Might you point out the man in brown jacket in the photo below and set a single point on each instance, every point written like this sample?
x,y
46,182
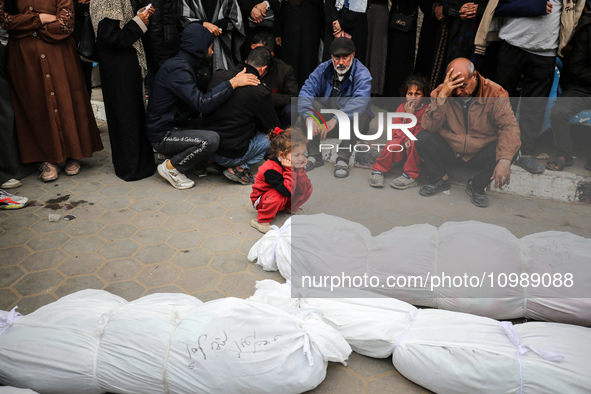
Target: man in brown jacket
x,y
470,122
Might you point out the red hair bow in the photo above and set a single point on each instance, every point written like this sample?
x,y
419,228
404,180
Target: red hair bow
x,y
277,130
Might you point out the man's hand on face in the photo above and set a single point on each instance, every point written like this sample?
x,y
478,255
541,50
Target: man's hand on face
x,y
244,79
452,81
502,173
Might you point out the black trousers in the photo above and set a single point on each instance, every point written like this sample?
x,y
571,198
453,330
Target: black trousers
x,y
570,102
438,157
10,162
188,147
538,74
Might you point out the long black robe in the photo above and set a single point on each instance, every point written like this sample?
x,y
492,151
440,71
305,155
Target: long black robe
x,y
121,81
300,39
428,40
10,162
457,37
401,50
352,23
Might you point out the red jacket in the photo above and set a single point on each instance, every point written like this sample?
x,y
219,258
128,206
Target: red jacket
x,y
290,182
415,130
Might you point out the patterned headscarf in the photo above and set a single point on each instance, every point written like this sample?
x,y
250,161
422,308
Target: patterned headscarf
x,y
117,10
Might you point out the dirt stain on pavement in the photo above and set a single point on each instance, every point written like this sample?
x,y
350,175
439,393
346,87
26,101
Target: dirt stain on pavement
x,y
59,202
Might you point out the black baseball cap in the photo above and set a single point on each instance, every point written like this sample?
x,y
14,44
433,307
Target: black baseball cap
x,y
342,46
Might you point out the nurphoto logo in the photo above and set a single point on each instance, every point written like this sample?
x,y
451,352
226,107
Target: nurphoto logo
x,y
344,124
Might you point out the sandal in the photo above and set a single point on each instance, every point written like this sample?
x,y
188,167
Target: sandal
x,y
249,175
558,163
72,166
341,167
49,172
237,175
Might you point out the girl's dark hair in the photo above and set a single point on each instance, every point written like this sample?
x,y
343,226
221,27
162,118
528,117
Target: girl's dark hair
x,y
419,82
285,140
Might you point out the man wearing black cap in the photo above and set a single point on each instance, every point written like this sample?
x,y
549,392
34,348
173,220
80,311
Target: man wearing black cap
x,y
332,86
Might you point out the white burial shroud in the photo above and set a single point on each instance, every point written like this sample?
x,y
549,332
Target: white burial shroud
x,y
453,352
327,245
95,342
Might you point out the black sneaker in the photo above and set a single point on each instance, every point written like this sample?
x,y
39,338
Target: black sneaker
x,y
480,200
432,189
313,162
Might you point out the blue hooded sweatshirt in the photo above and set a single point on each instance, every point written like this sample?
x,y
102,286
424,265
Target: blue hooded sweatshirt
x,y
174,90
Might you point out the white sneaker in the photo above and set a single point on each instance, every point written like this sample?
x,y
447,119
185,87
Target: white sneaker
x,y
11,184
176,179
10,201
404,181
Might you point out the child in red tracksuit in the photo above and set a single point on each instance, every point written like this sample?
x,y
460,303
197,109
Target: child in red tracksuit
x,y
416,91
281,183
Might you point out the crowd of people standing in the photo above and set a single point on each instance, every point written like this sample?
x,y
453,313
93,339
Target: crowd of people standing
x,y
512,43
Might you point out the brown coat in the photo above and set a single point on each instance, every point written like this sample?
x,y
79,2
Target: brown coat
x,y
54,119
490,118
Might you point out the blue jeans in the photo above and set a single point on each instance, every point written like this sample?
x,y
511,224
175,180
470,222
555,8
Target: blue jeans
x,y
255,153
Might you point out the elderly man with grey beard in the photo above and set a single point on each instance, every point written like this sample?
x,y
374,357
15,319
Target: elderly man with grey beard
x,y
342,83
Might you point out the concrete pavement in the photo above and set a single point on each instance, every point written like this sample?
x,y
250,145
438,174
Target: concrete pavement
x,y
143,237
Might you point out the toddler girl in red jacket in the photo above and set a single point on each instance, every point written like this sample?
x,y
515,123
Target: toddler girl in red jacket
x,y
281,183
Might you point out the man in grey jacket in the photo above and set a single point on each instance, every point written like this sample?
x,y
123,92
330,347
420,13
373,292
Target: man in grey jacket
x,y
532,38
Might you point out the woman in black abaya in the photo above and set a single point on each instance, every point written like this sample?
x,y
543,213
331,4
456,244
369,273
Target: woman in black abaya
x,y
401,49
123,68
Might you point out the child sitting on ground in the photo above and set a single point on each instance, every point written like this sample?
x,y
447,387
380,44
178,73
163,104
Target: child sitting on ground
x,y
281,183
416,91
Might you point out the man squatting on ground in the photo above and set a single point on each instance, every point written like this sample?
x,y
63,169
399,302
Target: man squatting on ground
x,y
469,122
174,92
343,83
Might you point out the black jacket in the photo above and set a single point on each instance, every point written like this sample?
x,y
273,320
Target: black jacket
x,y
281,80
248,111
577,70
162,40
175,90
